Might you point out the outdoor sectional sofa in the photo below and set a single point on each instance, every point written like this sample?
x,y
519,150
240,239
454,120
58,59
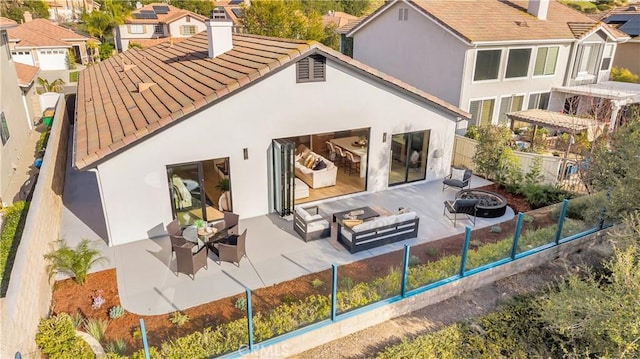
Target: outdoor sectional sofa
x,y
309,223
379,231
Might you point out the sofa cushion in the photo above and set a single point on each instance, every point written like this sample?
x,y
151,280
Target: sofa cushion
x,y
317,226
303,213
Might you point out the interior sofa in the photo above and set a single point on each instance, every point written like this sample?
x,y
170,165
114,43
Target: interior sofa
x,y
316,178
379,231
309,224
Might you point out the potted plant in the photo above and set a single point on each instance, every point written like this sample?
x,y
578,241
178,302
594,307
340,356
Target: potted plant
x,y
224,187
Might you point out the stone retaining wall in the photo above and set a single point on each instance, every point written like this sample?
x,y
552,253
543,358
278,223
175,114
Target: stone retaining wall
x,y
29,294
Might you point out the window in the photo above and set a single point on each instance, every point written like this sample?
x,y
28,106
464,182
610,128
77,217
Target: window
x,y
187,30
4,41
539,100
403,14
481,112
188,18
487,65
546,60
509,104
158,29
311,69
136,29
588,55
518,63
4,129
606,58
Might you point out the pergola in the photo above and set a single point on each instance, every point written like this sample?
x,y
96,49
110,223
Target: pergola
x,y
561,121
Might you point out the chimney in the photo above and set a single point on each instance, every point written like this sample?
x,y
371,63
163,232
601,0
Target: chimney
x,y
27,16
219,33
538,8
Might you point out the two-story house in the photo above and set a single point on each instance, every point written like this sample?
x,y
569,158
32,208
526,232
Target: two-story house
x,y
627,20
156,23
488,57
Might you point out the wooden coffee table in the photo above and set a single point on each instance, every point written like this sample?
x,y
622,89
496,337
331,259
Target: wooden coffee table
x,y
367,213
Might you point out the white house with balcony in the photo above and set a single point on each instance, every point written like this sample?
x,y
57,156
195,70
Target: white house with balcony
x,y
156,23
487,57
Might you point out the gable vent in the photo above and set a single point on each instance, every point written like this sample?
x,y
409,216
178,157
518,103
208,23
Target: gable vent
x,y
311,69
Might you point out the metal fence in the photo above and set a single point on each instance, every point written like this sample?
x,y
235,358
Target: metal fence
x,y
409,283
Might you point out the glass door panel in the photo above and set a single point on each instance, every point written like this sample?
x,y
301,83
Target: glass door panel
x,y
418,149
408,157
399,160
186,194
283,176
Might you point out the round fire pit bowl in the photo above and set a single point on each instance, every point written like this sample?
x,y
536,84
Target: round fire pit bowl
x,y
490,204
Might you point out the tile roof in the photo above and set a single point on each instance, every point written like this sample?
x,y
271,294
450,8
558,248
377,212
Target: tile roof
x,y
152,42
338,18
4,22
43,33
26,73
173,14
504,20
112,113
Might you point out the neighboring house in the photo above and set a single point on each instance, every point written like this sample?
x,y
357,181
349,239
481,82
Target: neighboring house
x,y
7,23
487,57
233,11
627,20
42,43
27,76
156,23
337,18
70,10
15,120
167,127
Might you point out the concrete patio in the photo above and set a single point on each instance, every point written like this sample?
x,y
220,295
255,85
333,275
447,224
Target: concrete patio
x,y
148,284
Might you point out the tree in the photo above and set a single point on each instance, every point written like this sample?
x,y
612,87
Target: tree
x,y
101,22
106,50
75,262
39,9
198,6
55,86
614,166
14,9
282,19
623,75
489,158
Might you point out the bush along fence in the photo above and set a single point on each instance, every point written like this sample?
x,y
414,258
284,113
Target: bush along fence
x,y
347,299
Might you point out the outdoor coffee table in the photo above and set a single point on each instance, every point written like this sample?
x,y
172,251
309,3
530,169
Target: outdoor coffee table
x,y
362,213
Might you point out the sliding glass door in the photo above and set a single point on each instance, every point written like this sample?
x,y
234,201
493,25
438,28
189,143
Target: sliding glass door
x,y
408,157
199,190
283,176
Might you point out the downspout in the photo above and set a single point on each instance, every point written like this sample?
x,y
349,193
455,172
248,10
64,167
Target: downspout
x,y
26,109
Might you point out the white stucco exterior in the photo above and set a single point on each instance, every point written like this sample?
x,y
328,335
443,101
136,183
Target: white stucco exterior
x,y
175,26
127,33
134,186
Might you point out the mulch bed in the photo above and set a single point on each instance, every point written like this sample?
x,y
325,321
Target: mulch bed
x,y
72,298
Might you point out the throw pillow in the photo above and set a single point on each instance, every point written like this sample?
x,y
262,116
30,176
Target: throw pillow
x,y
403,210
351,222
457,174
309,161
320,165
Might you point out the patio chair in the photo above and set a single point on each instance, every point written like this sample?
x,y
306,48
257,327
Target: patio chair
x,y
175,235
459,177
188,262
231,249
230,223
466,207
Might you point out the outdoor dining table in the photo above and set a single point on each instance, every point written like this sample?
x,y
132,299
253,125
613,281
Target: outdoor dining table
x,y
349,144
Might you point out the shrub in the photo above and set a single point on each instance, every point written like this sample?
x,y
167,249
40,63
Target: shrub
x,y
78,320
96,327
75,262
472,133
179,319
346,283
116,312
106,50
414,260
542,195
623,75
56,338
431,252
583,6
241,303
14,217
118,346
317,283
489,157
587,208
496,229
42,141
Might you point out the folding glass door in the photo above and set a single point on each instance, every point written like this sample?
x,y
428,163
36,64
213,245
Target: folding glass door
x,y
283,176
408,157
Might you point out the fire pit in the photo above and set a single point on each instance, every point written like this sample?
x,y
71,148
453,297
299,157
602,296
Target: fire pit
x,y
490,204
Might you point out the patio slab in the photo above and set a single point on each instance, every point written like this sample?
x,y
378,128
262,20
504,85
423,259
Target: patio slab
x,y
147,282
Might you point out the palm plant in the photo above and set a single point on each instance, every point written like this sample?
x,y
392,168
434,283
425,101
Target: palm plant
x,y
55,86
75,262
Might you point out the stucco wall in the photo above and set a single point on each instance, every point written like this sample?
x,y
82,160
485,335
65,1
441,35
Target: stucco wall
x,y
29,294
174,27
12,106
496,89
134,185
416,51
628,56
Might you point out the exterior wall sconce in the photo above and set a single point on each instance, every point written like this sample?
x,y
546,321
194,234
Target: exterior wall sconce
x,y
245,152
384,137
437,153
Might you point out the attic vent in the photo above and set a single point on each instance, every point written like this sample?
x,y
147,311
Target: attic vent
x,y
522,23
311,69
128,67
142,86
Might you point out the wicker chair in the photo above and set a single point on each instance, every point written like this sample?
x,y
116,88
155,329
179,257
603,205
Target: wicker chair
x,y
175,235
231,223
188,262
231,249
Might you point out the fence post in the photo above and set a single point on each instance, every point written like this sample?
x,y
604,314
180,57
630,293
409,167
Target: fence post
x,y
334,291
563,213
516,235
249,319
465,249
405,271
144,339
